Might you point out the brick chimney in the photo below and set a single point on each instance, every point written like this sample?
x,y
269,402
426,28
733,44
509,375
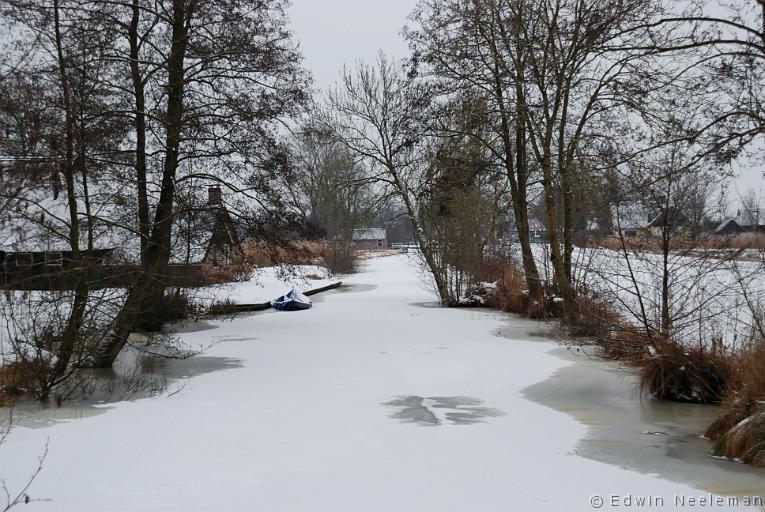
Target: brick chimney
x,y
214,195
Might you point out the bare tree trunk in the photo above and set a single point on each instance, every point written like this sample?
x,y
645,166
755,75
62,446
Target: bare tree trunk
x,y
81,165
144,225
72,330
568,230
517,174
561,281
68,164
69,336
520,209
148,292
666,318
442,286
564,172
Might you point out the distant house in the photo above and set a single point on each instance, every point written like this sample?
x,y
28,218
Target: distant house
x,y
370,239
633,220
224,248
670,220
35,252
745,221
629,219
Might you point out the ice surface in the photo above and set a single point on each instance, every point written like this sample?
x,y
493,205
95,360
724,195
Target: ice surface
x,y
305,423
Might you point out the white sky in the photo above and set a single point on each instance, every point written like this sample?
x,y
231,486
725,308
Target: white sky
x,y
337,32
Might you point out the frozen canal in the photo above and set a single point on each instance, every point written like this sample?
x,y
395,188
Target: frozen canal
x,y
371,401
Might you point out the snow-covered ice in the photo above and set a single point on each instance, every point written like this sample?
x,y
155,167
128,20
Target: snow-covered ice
x,y
374,400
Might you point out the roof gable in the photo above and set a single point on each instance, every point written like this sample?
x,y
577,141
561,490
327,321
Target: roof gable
x,y
369,234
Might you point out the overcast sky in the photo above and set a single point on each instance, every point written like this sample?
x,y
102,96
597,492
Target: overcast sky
x,y
337,32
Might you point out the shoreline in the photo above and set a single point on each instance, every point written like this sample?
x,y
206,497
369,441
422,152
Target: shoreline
x,y
647,436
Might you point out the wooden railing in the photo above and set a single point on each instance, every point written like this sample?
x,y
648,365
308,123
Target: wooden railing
x,y
405,247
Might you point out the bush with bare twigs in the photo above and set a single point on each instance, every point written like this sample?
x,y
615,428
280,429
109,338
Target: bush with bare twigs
x,y
174,306
739,432
19,496
226,307
512,295
624,343
18,379
48,335
686,374
589,314
340,257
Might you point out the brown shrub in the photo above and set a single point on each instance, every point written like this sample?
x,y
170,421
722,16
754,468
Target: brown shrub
x,y
746,389
748,380
218,275
297,252
512,295
734,413
739,241
339,257
624,343
19,379
682,374
589,314
174,306
708,242
490,269
745,441
227,307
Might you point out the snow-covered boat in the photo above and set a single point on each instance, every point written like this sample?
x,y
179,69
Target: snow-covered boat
x,y
292,301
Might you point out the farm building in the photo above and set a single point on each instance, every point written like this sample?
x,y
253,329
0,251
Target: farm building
x,y
34,254
370,239
745,221
45,269
629,219
224,247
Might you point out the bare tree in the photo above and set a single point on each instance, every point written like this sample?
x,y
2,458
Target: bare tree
x,y
462,45
377,113
461,200
338,195
724,42
573,67
148,98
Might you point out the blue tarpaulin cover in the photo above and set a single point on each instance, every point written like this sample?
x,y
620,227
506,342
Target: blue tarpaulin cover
x,y
293,301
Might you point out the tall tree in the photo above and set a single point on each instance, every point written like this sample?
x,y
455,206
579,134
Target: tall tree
x,y
60,130
460,45
231,69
